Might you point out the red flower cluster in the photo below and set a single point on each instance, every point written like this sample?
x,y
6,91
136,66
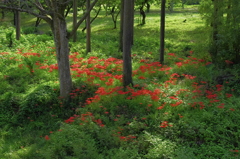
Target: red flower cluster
x,y
165,124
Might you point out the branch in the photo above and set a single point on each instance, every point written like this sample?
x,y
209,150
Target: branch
x,y
44,17
93,18
82,19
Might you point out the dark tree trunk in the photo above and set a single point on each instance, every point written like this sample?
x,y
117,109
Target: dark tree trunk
x,y
114,17
59,29
143,14
148,7
162,31
127,43
88,22
68,10
38,22
17,23
3,14
74,19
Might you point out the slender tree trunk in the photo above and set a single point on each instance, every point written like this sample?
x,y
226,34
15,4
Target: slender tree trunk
x,y
88,23
59,28
162,31
17,19
148,7
3,14
143,14
74,19
127,40
38,22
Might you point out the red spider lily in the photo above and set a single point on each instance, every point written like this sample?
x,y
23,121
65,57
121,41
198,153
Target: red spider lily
x,y
172,54
228,95
177,103
179,64
228,62
141,77
221,106
70,120
164,124
172,97
211,96
47,137
232,109
219,87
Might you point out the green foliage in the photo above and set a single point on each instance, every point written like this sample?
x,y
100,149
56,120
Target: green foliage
x,y
223,18
9,38
40,103
70,142
29,30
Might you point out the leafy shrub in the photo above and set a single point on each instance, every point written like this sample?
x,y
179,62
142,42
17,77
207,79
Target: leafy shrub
x,y
29,30
70,142
38,104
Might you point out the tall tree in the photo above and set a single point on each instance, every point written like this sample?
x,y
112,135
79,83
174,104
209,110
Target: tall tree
x,y
162,31
52,12
88,26
75,12
17,24
127,42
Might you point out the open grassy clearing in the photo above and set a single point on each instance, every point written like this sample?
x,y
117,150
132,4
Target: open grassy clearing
x,y
174,111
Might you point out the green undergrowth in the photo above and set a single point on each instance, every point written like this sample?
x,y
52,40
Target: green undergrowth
x,y
185,108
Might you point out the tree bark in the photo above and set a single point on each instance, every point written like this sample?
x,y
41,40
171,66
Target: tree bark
x,y
143,14
59,29
74,19
127,43
18,27
162,31
88,23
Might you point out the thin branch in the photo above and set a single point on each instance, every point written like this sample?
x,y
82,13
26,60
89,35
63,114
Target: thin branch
x,y
44,17
82,19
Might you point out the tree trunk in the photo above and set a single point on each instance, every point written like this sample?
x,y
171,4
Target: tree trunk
x,y
162,31
3,14
143,14
37,22
17,22
59,29
148,7
88,23
74,19
127,43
